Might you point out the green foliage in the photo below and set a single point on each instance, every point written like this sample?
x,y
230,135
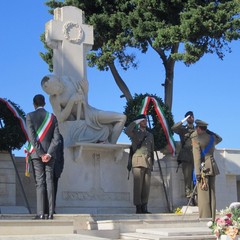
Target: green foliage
x,y
178,30
133,108
47,57
11,134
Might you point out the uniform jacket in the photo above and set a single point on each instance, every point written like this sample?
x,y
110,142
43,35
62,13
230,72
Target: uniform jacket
x,y
50,141
199,143
143,156
184,132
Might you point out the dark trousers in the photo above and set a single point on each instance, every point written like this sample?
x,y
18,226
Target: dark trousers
x,y
187,169
141,185
44,184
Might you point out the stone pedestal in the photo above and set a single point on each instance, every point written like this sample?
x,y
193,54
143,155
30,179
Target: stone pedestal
x,y
95,180
7,180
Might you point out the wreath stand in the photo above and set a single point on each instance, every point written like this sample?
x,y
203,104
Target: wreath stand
x,y
20,182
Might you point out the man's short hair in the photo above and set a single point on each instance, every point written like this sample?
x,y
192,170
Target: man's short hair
x,y
39,100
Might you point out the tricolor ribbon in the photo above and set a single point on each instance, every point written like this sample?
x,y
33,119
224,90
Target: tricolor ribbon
x,y
41,133
21,120
162,120
17,115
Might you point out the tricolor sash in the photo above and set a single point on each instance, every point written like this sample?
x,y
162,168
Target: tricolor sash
x,y
162,120
40,134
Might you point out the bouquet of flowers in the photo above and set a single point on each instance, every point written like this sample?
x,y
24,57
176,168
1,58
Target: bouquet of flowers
x,y
227,223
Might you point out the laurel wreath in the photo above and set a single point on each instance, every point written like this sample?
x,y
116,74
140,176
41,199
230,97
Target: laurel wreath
x,y
11,134
133,108
67,27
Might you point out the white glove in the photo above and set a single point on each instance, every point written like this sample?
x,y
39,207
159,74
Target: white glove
x,y
138,121
185,119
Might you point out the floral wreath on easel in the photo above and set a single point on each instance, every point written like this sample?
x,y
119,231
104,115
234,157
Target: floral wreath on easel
x,y
161,118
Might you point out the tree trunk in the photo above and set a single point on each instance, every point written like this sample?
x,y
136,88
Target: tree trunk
x,y
120,83
168,63
168,85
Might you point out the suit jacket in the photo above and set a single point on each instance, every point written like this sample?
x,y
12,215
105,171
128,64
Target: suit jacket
x,y
50,142
59,158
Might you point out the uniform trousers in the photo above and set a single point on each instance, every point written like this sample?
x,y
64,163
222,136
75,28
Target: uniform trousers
x,y
207,199
44,184
187,169
141,185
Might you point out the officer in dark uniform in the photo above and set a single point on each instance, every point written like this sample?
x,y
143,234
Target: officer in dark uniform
x,y
203,143
142,161
185,156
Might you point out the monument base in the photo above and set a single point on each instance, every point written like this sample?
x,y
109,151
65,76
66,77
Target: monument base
x,y
95,180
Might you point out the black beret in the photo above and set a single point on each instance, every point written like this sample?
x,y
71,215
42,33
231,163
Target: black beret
x,y
189,113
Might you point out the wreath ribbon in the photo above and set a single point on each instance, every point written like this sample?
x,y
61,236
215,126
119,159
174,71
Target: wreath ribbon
x,y
17,115
162,120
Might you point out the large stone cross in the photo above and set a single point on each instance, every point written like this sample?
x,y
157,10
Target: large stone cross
x,y
70,40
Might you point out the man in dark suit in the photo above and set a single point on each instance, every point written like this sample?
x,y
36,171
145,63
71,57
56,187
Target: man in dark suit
x,y
44,137
58,167
57,171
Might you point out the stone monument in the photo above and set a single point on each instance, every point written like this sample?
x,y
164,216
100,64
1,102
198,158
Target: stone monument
x,y
70,40
95,175
94,164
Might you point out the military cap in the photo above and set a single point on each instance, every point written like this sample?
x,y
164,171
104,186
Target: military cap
x,y
140,117
189,113
200,123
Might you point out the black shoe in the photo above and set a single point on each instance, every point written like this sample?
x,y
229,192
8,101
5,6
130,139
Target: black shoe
x,y
39,217
138,209
50,216
144,209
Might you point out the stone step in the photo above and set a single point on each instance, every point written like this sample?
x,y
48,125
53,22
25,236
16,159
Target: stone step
x,y
34,227
187,233
140,236
124,226
51,237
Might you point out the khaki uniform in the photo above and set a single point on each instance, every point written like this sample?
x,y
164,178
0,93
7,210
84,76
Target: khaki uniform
x,y
206,197
185,155
142,162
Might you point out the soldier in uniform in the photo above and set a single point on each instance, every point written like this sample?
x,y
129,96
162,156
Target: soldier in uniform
x,y
142,161
203,143
185,156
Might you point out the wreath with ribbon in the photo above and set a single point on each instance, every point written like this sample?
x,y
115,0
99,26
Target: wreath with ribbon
x,y
12,118
160,119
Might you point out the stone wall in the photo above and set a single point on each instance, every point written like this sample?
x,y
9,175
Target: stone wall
x,y
105,188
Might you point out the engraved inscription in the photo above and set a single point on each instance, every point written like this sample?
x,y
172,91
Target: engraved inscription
x,y
94,196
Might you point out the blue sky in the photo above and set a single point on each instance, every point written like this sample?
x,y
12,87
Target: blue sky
x,y
210,87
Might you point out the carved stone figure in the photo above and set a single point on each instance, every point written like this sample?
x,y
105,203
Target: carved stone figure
x,y
84,123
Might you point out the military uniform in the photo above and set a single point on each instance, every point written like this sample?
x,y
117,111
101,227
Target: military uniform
x,y
206,169
185,155
142,163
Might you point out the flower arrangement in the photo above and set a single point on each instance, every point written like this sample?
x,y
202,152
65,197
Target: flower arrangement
x,y
178,211
227,223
